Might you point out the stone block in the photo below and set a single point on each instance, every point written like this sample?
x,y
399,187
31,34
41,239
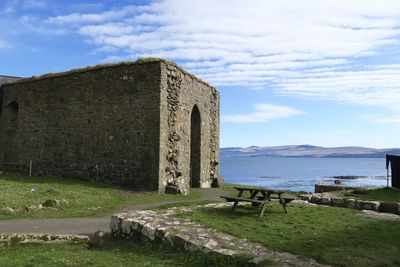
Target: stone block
x,y
149,231
126,226
338,202
325,200
306,197
368,205
316,199
350,203
390,207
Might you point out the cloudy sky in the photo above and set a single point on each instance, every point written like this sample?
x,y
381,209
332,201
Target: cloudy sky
x,y
289,72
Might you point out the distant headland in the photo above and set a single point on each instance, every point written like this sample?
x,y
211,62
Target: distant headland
x,y
308,151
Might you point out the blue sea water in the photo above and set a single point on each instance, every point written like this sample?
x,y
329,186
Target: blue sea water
x,y
301,174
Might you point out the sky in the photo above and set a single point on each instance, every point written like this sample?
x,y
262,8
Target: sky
x,y
289,72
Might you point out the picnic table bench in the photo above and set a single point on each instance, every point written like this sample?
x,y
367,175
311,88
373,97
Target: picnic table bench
x,y
258,197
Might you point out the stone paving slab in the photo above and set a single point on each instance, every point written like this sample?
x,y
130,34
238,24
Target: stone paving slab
x,y
164,228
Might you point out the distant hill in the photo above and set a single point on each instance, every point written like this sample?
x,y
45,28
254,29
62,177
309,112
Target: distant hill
x,y
5,79
308,151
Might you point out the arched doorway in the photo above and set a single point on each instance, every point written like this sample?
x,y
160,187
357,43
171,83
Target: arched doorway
x,y
195,144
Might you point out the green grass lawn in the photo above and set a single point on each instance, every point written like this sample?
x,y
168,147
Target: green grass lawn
x,y
114,253
337,236
85,199
381,194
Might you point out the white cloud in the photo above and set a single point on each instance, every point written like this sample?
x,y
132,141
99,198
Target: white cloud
x,y
312,48
392,120
4,44
264,113
77,18
34,4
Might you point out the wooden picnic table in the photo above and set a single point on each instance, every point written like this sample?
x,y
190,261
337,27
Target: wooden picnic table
x,y
258,196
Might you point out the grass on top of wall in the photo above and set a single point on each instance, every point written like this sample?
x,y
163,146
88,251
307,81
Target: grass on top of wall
x,y
336,236
84,198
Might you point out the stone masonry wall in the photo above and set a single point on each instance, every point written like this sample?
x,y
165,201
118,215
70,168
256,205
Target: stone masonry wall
x,y
180,92
99,124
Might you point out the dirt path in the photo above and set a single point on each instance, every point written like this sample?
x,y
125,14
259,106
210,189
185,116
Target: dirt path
x,y
87,225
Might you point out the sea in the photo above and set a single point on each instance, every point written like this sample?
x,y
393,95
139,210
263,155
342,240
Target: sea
x,y
301,174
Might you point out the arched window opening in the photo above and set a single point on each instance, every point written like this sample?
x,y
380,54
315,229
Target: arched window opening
x,y
195,147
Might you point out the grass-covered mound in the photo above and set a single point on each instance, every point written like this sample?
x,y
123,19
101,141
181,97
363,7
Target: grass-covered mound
x,y
77,198
336,236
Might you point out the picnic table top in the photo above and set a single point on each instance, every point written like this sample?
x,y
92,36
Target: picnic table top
x,y
244,188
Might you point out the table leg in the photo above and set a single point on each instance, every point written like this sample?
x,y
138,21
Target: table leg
x,y
253,194
235,205
263,207
282,201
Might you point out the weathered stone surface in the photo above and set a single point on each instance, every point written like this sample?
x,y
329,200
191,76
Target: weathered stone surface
x,y
390,207
338,202
32,208
163,228
126,123
13,239
305,197
325,200
322,199
98,239
350,203
367,205
316,199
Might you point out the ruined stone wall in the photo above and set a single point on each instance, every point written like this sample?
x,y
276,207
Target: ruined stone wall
x,y
99,124
180,92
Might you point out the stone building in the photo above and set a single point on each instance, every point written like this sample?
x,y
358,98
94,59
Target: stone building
x,y
148,124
